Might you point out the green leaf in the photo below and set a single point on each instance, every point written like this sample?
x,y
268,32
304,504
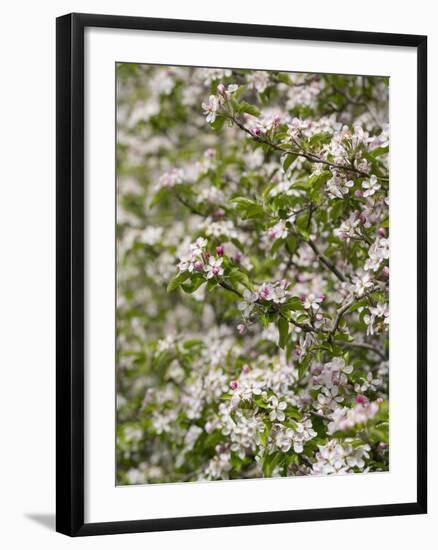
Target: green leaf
x,y
292,412
245,107
291,243
248,208
283,77
264,321
194,284
237,276
303,365
211,285
159,195
302,318
320,139
270,462
218,123
304,233
188,344
277,245
288,161
239,91
357,305
264,435
177,281
379,151
316,182
283,329
295,304
379,434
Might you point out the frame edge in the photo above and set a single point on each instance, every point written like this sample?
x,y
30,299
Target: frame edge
x,y
70,275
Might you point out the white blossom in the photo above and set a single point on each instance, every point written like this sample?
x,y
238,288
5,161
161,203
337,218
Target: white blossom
x,y
371,186
210,108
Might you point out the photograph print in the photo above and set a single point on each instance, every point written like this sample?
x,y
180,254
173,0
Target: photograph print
x,y
253,273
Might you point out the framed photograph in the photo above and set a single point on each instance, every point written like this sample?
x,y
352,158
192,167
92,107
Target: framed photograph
x,y
241,274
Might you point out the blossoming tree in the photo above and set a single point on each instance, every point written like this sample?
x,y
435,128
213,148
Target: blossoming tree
x,y
252,274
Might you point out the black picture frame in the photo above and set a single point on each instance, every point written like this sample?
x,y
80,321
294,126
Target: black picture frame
x,y
70,273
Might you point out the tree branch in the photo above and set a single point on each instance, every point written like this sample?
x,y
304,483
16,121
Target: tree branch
x,y
192,209
311,157
325,261
228,287
362,345
345,308
340,314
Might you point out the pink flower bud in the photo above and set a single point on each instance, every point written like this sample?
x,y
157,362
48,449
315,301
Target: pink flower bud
x,y
318,317
257,131
207,254
381,231
301,278
220,250
234,384
385,270
358,193
199,266
237,258
272,233
221,89
360,216
303,297
241,329
361,399
264,292
245,369
210,153
218,213
323,297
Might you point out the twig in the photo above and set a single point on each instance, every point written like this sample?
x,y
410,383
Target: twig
x,y
228,287
192,209
306,328
345,308
320,415
309,156
362,345
340,314
324,260
354,101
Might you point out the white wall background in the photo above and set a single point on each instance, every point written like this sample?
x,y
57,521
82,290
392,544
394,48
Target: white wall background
x,y
27,272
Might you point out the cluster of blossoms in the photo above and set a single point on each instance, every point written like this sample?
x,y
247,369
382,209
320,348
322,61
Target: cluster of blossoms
x,y
340,458
344,419
172,178
253,273
380,313
194,258
378,253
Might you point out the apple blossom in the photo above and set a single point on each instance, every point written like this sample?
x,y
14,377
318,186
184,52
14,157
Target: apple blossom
x,y
210,108
253,249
